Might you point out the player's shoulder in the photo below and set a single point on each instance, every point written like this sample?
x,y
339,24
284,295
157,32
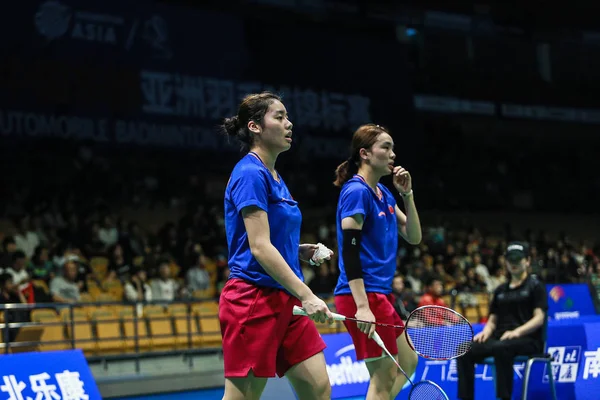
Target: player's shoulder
x,y
502,288
534,281
248,167
354,186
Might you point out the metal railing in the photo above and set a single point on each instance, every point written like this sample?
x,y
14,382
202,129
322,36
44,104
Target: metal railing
x,y
9,327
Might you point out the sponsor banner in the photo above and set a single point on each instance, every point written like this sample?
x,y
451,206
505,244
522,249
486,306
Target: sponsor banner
x,y
574,345
55,375
569,301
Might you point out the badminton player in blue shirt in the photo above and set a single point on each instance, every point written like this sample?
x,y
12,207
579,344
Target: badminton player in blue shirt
x,y
261,336
368,224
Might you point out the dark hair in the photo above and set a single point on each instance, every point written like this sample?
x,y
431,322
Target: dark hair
x,y
17,255
364,137
431,279
5,277
252,108
8,240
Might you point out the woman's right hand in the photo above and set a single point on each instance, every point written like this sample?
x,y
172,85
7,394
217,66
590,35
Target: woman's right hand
x,y
366,315
317,310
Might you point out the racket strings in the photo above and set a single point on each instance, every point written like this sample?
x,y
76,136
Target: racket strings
x,y
439,333
427,391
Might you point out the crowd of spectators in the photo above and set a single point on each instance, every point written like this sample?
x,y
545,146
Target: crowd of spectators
x,y
70,237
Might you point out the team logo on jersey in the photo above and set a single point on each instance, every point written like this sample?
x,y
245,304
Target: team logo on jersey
x,y
391,208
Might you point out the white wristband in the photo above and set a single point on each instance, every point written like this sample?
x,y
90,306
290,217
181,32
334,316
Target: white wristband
x,y
405,195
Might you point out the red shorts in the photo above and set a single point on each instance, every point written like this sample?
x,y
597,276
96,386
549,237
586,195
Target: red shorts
x,y
382,308
261,334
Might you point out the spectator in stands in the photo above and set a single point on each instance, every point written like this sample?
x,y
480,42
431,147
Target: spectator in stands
x,y
10,294
95,247
415,277
65,288
165,288
9,246
18,270
9,291
497,279
197,275
514,327
136,242
40,267
440,270
26,239
37,225
108,233
118,268
398,289
434,289
137,288
481,270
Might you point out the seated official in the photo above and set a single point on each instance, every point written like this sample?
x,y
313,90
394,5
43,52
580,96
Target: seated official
x,y
514,327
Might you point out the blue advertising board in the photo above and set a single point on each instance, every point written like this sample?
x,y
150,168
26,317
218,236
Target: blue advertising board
x,y
569,301
574,344
56,375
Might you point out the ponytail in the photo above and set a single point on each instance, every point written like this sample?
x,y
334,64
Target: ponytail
x,y
232,128
344,172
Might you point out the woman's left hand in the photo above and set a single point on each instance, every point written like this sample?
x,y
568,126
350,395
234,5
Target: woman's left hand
x,y
307,252
402,180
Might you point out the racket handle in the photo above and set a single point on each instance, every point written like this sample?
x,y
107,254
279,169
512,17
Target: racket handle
x,y
378,340
300,311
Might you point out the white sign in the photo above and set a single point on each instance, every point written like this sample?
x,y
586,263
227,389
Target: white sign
x,y
208,98
565,364
69,386
346,371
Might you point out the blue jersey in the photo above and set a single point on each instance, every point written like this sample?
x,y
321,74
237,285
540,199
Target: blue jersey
x,y
379,243
251,184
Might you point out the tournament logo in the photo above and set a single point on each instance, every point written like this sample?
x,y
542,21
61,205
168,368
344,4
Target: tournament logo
x,y
52,19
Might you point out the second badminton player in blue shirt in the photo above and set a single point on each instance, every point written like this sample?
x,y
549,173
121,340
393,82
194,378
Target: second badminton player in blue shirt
x,y
261,336
368,224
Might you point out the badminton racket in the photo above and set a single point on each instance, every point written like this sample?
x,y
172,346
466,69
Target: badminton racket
x,y
433,332
423,390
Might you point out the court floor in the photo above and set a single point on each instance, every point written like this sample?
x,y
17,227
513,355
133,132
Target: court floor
x,y
210,394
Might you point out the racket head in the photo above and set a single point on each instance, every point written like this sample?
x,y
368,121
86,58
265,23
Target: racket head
x,y
427,390
438,333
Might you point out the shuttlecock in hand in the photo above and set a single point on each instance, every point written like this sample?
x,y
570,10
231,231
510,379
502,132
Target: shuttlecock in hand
x,y
321,254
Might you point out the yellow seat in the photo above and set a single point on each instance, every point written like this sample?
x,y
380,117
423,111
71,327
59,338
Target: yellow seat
x,y
41,312
472,314
144,342
105,298
161,328
185,330
206,308
81,327
108,332
209,293
210,331
99,266
86,298
52,333
114,288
